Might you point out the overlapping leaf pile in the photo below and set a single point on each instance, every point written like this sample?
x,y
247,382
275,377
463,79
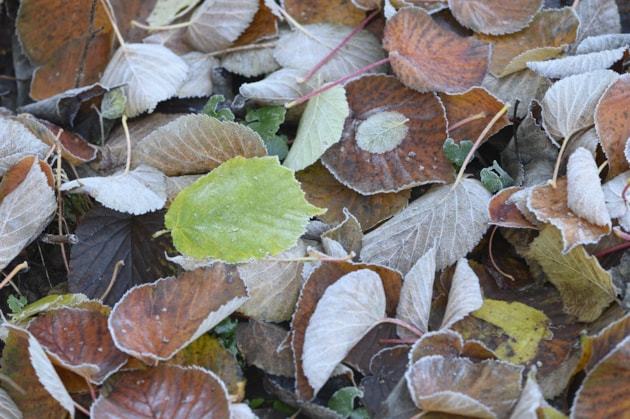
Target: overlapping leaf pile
x,y
373,274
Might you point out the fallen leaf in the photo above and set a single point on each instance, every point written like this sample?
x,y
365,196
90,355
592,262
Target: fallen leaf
x,y
340,12
332,332
320,127
603,42
137,192
149,73
578,64
347,235
198,83
464,295
584,190
278,88
616,197
494,17
260,342
166,390
451,218
166,11
427,57
196,143
597,17
8,408
17,142
213,217
152,324
585,287
503,211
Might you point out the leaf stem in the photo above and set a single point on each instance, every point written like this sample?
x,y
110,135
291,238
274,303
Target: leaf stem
x,y
464,121
494,264
109,11
180,25
556,168
111,282
18,268
335,83
339,46
398,322
128,138
477,143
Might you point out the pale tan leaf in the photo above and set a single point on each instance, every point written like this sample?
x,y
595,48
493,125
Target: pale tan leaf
x,y
17,142
199,80
136,192
332,332
618,205
149,73
584,190
569,105
577,64
451,218
250,63
26,211
166,11
585,287
195,144
522,86
597,17
278,88
215,24
495,17
464,296
415,295
274,286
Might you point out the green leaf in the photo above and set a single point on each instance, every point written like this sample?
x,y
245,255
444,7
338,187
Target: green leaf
x,y
278,146
495,178
212,109
242,210
16,304
266,120
342,401
320,127
456,153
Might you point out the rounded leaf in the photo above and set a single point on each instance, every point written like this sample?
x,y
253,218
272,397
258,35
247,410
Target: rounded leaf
x,y
494,17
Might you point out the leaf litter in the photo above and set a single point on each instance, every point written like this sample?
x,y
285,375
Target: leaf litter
x,y
399,282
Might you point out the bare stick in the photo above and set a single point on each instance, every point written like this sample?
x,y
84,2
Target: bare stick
x,y
464,121
14,272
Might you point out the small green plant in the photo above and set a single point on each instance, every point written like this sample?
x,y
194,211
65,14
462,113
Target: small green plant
x,y
343,400
456,153
495,178
266,122
226,334
212,109
16,304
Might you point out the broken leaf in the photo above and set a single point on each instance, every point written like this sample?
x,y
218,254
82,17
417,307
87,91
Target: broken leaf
x,y
494,17
332,332
320,127
215,216
452,218
150,73
151,323
196,143
428,57
136,192
586,288
27,205
584,191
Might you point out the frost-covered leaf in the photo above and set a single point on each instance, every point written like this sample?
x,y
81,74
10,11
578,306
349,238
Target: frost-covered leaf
x,y
17,142
303,51
451,218
8,408
150,73
332,332
415,295
569,105
577,64
199,80
612,123
150,324
523,86
215,24
464,296
196,143
320,127
135,192
586,288
279,87
244,209
250,63
597,17
494,17
530,401
618,205
166,11
27,206
603,42
488,389
584,191
274,286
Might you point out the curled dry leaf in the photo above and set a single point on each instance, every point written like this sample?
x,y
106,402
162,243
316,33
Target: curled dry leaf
x,y
93,356
215,24
584,191
427,57
149,323
278,88
612,123
332,332
603,42
136,192
494,17
464,295
578,64
451,218
27,206
456,385
503,211
196,143
149,73
168,391
388,145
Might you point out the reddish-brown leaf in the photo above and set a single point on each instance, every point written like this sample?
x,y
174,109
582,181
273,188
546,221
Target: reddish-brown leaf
x,y
394,155
494,17
504,212
427,57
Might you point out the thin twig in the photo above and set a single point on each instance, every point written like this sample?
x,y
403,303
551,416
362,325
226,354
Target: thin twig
x,y
111,282
18,268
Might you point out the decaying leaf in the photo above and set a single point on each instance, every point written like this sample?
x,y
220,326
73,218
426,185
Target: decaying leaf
x,y
451,218
585,287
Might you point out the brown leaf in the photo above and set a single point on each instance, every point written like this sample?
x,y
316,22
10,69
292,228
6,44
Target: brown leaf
x,y
495,17
154,321
68,42
427,57
79,340
323,190
341,12
503,211
165,391
596,348
264,25
387,144
612,123
260,342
